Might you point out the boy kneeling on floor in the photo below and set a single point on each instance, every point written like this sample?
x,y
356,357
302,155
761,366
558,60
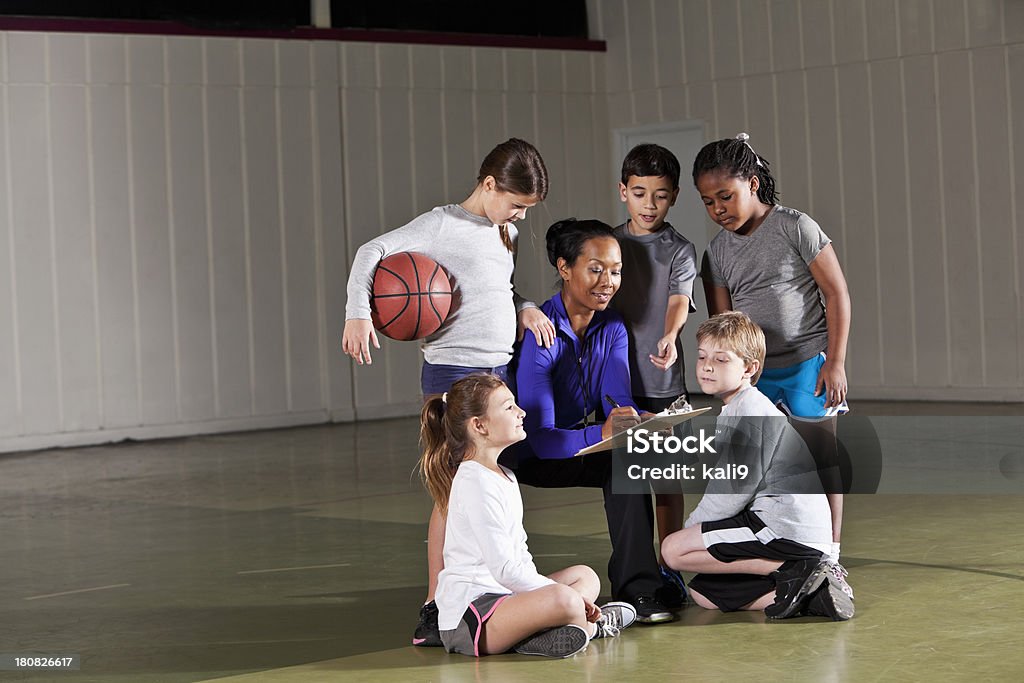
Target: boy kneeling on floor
x,y
760,541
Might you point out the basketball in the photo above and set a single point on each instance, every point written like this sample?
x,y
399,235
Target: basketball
x,y
411,296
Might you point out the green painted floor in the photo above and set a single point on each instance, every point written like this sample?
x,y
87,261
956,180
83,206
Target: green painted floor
x,y
299,555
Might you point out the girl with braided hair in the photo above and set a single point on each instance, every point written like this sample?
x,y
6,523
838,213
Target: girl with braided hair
x,y
776,265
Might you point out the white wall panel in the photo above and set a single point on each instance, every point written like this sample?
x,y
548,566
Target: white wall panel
x,y
985,22
849,30
145,59
428,150
34,267
994,218
154,279
731,107
858,236
667,32
915,26
116,283
10,385
190,249
928,258
66,55
950,20
962,233
270,383
226,210
791,162
642,37
756,36
298,230
891,224
696,41
1015,79
816,20
882,28
76,306
726,40
787,53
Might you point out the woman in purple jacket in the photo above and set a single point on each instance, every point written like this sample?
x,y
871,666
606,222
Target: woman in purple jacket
x,y
560,386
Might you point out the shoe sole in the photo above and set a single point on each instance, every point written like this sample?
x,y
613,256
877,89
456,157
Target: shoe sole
x,y
842,604
561,642
657,618
811,584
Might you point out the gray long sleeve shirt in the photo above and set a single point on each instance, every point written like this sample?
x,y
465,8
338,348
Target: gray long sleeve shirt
x,y
481,326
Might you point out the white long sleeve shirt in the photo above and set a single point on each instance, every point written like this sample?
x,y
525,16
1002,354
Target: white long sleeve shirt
x,y
484,543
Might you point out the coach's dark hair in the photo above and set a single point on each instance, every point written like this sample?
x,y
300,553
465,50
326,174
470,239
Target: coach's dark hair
x,y
648,159
565,239
735,157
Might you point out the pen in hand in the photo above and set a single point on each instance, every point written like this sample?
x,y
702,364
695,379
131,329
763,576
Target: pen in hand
x,y
611,401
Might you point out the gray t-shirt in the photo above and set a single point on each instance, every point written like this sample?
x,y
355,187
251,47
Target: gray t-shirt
x,y
768,277
481,327
654,267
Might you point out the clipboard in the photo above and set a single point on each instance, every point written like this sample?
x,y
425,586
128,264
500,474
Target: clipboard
x,y
657,423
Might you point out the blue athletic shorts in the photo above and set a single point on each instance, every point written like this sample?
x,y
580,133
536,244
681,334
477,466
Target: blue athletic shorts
x,y
792,388
437,379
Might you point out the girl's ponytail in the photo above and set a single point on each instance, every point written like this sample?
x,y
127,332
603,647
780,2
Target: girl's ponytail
x,y
444,435
436,467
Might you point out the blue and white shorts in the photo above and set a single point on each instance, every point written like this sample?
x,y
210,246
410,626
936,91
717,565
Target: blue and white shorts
x,y
792,389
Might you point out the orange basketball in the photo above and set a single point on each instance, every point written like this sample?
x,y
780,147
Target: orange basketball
x,y
411,296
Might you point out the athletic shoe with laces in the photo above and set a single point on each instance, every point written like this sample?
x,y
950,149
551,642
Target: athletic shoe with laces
x,y
427,633
794,581
838,573
673,594
649,610
830,600
560,642
615,616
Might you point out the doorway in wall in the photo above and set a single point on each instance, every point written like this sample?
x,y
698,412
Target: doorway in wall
x,y
684,139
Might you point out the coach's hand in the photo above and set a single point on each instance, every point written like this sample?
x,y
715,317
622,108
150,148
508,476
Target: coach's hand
x,y
619,419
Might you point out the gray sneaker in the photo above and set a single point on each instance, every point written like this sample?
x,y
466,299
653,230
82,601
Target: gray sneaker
x,y
559,642
615,616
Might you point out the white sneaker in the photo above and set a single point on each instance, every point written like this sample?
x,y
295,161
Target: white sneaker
x,y
615,616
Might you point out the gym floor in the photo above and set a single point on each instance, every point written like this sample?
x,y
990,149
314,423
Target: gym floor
x,y
299,555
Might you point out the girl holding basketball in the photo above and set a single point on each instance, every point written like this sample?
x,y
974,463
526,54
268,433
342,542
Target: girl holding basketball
x,y
475,241
490,596
776,265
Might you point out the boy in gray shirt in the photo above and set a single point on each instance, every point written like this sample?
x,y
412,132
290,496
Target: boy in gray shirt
x,y
658,269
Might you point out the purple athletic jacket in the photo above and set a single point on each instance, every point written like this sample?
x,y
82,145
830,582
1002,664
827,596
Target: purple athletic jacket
x,y
560,386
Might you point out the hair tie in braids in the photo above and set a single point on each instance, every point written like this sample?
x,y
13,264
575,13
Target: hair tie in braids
x,y
744,137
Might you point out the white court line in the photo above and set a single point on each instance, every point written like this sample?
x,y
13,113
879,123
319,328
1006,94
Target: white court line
x,y
557,555
80,590
295,569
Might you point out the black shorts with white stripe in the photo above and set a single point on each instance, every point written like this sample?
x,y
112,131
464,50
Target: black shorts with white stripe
x,y
743,537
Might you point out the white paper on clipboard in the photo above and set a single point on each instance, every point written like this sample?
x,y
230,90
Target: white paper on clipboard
x,y
655,424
